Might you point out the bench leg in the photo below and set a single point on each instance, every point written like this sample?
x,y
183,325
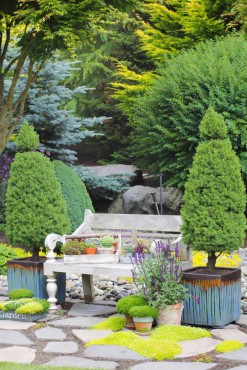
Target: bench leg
x,y
88,288
51,288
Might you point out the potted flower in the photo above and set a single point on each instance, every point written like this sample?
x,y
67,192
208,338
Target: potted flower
x,y
213,221
124,304
106,245
157,276
91,245
127,253
73,250
143,317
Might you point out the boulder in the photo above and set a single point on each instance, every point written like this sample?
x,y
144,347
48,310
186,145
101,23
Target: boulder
x,y
138,200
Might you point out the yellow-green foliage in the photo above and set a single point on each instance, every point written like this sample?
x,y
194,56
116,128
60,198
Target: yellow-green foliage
x,y
179,333
151,348
224,260
112,323
228,345
31,307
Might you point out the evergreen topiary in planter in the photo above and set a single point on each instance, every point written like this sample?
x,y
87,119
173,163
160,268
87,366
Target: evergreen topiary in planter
x,y
34,208
124,304
143,317
213,221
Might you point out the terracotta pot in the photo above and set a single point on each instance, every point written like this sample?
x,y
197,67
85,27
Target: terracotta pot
x,y
171,315
115,245
143,324
129,322
92,250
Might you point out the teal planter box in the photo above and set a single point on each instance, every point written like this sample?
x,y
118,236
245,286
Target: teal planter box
x,y
27,317
25,273
214,297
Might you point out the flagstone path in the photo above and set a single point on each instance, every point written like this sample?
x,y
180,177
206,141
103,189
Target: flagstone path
x,y
59,341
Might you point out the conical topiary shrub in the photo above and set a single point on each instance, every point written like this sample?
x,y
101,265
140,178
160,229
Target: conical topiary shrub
x,y
214,200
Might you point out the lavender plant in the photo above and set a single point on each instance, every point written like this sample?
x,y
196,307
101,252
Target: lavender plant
x,y
158,276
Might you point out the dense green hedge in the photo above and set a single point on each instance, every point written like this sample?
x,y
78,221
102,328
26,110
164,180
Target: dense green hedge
x,y
34,206
74,193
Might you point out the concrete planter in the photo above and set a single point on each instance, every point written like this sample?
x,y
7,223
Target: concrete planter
x,y
214,296
10,315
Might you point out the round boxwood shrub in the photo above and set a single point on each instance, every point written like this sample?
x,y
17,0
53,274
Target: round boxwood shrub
x,y
35,206
143,311
20,293
74,193
125,303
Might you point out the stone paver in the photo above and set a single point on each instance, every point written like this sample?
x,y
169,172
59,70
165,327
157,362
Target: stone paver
x,y
15,325
239,355
49,316
87,335
50,334
230,334
112,352
241,367
172,366
242,320
82,362
61,347
20,355
197,346
82,309
14,337
80,322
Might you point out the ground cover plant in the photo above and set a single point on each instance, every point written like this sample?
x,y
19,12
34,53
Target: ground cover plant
x,y
112,323
228,345
151,348
6,254
179,333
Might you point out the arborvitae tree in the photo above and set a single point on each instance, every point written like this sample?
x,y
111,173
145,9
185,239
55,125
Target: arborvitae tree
x,y
34,203
214,200
166,120
74,193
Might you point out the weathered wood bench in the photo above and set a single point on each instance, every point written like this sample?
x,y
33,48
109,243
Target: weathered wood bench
x,y
129,228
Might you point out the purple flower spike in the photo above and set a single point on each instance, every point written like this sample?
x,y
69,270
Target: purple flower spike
x,y
176,251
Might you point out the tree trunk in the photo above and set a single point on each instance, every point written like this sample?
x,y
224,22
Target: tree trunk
x,y
35,255
211,261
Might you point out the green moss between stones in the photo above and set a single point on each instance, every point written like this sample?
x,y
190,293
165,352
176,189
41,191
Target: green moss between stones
x,y
112,323
179,333
151,348
228,345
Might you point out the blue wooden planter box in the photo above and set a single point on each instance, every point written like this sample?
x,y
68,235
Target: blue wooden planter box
x,y
25,273
10,315
214,297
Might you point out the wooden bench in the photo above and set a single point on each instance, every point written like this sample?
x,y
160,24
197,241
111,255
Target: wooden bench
x,y
129,228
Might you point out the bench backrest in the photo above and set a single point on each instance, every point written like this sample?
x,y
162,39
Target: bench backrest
x,y
135,226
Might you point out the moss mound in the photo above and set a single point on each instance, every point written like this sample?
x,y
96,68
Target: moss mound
x,y
179,333
151,348
112,323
